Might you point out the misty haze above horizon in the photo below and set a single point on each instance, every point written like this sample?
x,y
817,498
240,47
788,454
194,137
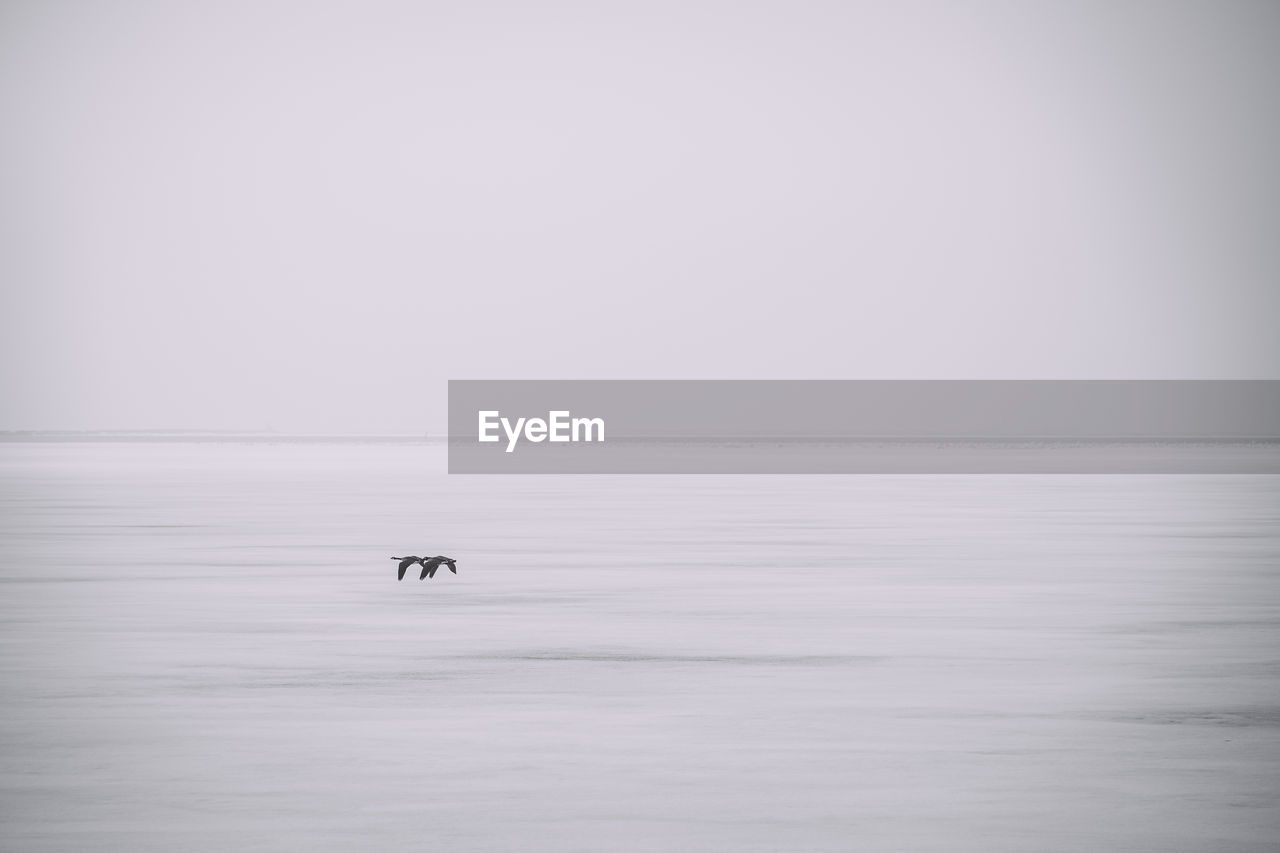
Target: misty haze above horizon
x,y
307,217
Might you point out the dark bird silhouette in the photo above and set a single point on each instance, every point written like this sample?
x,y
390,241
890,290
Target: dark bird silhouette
x,y
429,566
406,562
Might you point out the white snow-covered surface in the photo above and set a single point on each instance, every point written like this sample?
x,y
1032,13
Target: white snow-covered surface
x,y
203,647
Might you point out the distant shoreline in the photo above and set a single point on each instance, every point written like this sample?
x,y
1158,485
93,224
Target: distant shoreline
x,y
206,436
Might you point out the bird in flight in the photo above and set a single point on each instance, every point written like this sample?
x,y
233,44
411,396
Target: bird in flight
x,y
406,562
429,565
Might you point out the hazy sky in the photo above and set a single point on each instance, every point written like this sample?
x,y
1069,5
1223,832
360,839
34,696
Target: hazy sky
x,y
309,215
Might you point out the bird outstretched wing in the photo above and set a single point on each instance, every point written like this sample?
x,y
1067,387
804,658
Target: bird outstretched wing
x,y
406,562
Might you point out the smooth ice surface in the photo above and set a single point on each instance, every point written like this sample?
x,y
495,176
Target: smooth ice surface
x,y
203,647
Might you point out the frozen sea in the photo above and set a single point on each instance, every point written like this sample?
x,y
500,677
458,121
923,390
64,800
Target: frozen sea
x,y
203,647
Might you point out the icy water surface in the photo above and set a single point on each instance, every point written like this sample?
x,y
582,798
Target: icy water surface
x,y
203,647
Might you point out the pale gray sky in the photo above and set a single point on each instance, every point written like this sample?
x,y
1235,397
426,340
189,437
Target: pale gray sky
x,y
309,215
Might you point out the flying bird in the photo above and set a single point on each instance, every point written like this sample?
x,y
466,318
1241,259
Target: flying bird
x,y
406,562
429,566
